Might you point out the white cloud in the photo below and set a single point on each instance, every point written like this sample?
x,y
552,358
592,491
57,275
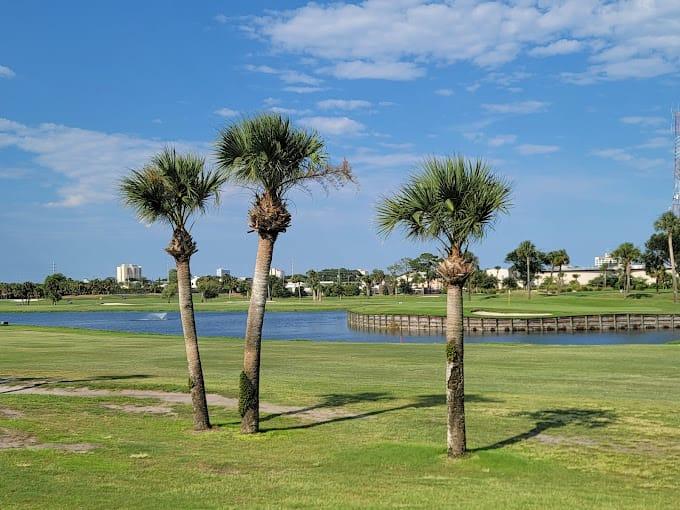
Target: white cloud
x,y
625,156
645,121
6,72
343,104
520,107
333,125
221,18
529,149
287,111
91,161
156,121
302,90
561,47
226,112
621,38
444,92
500,140
286,75
374,160
358,69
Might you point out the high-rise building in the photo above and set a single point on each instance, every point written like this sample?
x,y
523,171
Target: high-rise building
x,y
607,259
221,272
279,273
126,273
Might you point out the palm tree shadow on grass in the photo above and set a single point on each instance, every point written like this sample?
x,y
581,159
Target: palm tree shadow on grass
x,y
555,418
35,382
337,400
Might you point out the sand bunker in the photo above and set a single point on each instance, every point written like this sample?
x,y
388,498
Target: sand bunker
x,y
118,304
129,408
509,314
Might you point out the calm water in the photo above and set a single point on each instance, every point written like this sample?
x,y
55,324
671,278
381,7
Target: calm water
x,y
327,326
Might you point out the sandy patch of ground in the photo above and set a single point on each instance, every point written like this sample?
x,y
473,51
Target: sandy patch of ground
x,y
15,439
128,408
6,412
306,413
118,304
509,314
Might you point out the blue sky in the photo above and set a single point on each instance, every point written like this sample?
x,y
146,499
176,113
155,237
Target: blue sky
x,y
570,100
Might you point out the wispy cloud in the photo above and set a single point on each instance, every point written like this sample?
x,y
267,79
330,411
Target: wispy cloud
x,y
343,104
627,157
91,161
645,121
529,149
333,125
500,140
358,69
221,18
520,107
303,90
561,47
444,92
6,72
226,112
286,75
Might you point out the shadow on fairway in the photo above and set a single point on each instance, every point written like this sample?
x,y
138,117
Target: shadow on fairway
x,y
34,382
555,418
337,400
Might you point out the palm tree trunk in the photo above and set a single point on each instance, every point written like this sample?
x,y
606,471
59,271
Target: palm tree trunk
x,y
455,390
249,387
528,278
186,313
673,273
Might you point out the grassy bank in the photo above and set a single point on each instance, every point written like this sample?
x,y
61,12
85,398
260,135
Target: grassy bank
x,y
571,303
550,427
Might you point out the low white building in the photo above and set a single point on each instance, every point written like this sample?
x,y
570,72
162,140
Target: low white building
x,y
221,272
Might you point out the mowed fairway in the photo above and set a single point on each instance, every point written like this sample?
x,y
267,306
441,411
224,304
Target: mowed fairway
x,y
549,427
568,303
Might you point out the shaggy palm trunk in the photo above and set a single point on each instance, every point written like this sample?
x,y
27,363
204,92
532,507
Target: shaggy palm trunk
x,y
673,273
249,387
186,312
455,390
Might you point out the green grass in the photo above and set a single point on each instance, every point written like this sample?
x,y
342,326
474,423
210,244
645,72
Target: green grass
x,y
607,419
571,303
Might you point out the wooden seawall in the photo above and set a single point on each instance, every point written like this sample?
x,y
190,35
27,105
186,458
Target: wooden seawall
x,y
436,325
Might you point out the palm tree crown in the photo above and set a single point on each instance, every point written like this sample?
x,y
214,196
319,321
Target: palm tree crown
x,y
453,201
171,189
267,154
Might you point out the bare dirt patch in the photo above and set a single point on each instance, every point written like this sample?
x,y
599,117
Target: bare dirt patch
x,y
15,439
310,414
565,440
129,408
6,412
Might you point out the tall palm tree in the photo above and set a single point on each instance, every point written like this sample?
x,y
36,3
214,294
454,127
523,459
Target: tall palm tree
x,y
269,156
559,258
669,224
172,189
627,253
453,201
526,250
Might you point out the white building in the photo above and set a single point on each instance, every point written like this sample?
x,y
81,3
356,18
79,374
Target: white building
x,y
279,273
600,260
221,272
126,273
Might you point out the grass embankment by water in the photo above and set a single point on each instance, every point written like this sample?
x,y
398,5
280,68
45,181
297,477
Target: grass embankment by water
x,y
570,303
549,426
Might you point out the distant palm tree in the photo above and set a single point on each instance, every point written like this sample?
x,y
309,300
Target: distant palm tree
x,y
626,254
669,224
269,156
172,189
526,250
453,201
559,258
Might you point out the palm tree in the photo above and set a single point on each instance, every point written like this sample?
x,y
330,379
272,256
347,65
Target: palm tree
x,y
526,250
172,189
559,258
453,201
669,224
269,156
627,253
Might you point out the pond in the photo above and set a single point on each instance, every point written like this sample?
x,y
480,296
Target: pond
x,y
316,326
